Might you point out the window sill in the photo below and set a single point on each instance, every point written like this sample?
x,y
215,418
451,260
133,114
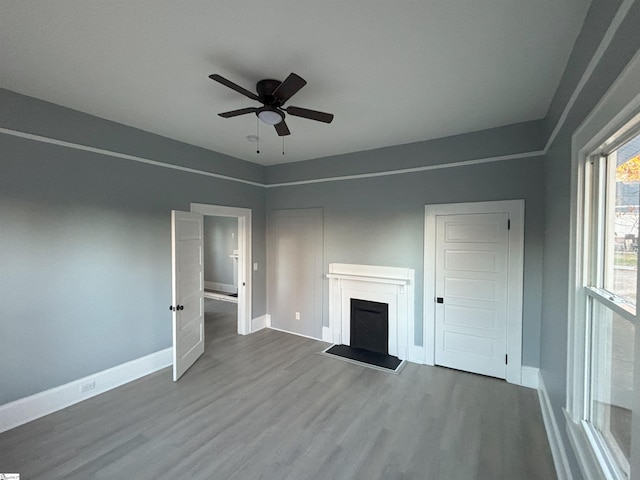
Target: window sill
x,y
591,462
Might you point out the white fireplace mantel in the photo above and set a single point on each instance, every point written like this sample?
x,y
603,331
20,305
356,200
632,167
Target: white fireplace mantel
x,y
391,285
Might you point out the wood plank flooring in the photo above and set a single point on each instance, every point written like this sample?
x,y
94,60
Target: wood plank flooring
x,y
267,406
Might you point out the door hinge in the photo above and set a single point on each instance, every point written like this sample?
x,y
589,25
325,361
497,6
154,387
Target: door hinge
x,y
509,224
506,359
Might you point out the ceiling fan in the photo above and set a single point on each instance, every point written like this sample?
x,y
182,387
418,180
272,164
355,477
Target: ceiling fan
x,y
273,94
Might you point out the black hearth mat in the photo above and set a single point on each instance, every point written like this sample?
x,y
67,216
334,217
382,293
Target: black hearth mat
x,y
381,360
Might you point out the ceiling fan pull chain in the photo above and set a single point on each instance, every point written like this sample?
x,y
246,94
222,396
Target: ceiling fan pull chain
x,y
258,135
282,145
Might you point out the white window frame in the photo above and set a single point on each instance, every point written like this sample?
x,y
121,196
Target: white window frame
x,y
619,107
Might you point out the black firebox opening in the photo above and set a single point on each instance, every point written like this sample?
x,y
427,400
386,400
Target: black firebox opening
x,y
370,326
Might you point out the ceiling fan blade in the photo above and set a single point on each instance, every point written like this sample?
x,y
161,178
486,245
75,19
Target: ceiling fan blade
x,y
289,87
235,113
282,129
233,86
310,114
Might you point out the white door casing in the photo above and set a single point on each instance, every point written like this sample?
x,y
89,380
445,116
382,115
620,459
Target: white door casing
x,y
514,211
471,282
187,276
244,262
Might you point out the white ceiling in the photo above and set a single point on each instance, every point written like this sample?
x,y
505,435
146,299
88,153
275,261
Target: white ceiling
x,y
392,72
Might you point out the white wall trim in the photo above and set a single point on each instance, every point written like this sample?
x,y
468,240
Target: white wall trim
x,y
294,333
221,287
416,353
588,461
530,377
245,281
327,335
125,156
515,209
258,323
30,408
110,153
593,63
558,450
403,171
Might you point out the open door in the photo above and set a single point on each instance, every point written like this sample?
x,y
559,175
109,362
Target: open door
x,y
187,276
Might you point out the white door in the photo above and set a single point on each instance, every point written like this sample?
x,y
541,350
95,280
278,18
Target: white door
x,y
187,274
472,253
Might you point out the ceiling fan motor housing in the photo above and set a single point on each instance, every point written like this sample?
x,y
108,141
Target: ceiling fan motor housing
x,y
265,89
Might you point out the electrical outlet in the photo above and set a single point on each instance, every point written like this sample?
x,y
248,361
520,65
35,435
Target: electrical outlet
x,y
297,315
85,387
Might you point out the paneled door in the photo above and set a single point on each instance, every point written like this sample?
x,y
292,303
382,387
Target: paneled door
x,y
187,275
471,278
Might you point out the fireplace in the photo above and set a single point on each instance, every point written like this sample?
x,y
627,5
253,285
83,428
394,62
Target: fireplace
x,y
370,325
391,286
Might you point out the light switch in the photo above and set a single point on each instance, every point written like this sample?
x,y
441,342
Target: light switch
x,y
255,266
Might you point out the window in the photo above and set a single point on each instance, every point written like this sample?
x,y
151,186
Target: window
x,y
610,265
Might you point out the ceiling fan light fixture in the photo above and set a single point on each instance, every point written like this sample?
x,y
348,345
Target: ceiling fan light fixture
x,y
270,116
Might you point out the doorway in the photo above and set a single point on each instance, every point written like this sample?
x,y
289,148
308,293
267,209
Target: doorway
x,y
473,279
242,258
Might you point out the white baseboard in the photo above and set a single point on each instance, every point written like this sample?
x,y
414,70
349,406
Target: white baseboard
x,y
327,335
258,323
220,287
416,354
295,333
558,451
220,296
530,377
26,409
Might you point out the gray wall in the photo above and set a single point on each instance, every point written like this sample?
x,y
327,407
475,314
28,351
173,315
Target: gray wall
x,y
85,250
220,240
295,273
494,142
626,42
30,115
380,220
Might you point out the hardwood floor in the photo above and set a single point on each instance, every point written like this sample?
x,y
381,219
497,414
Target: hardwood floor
x,y
266,406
